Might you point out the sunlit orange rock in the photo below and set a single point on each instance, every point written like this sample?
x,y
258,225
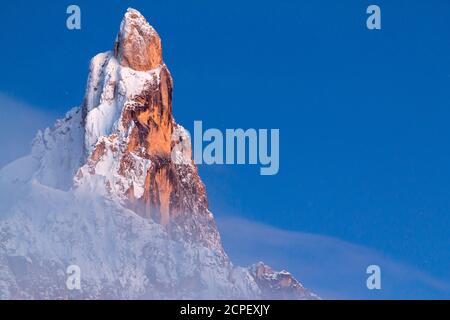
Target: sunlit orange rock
x,y
138,45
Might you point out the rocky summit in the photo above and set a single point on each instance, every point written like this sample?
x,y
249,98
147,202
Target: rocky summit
x,y
101,191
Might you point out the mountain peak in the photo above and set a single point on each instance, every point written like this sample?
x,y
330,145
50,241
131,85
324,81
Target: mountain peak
x,y
139,224
138,45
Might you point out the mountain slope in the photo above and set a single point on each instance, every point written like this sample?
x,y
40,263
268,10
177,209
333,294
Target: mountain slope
x,y
112,189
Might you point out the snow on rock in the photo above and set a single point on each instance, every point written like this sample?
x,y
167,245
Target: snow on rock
x,y
278,285
121,255
109,87
57,154
113,189
182,150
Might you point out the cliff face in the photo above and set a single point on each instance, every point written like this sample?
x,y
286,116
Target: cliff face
x,y
138,45
131,136
123,198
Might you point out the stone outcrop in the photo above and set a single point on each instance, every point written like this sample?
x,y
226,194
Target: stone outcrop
x,y
135,152
279,285
138,45
112,189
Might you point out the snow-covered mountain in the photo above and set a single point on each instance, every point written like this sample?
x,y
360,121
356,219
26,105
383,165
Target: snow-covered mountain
x,y
101,190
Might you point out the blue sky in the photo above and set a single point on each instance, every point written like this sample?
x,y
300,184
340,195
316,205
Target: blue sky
x,y
363,115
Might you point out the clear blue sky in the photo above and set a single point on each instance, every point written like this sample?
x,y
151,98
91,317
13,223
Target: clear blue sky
x,y
363,115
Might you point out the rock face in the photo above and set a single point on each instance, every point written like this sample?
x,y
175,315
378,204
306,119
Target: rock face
x,y
278,285
133,152
138,45
113,189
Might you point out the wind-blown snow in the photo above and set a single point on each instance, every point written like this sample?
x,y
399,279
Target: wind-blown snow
x,y
56,153
48,223
121,255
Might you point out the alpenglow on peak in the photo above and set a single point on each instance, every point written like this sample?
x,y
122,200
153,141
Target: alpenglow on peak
x,y
138,45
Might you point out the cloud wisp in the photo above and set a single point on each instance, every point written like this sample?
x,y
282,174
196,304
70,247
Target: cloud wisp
x,y
19,122
332,268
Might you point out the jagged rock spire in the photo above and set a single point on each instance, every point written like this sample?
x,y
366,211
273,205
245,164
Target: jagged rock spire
x,y
131,134
138,45
128,133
